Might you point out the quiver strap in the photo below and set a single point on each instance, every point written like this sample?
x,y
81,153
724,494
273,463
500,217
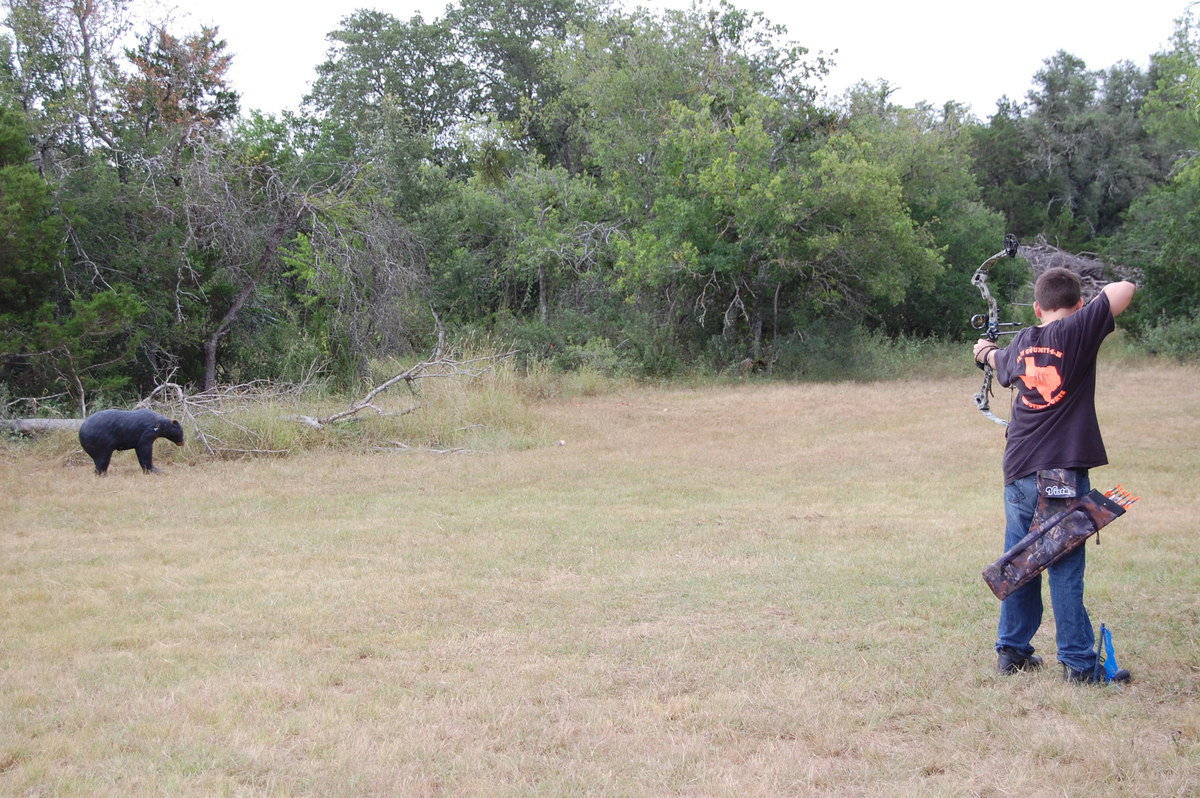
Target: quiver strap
x,y
1050,539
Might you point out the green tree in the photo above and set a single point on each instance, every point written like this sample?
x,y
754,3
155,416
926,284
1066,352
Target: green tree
x,y
30,231
865,249
753,246
1161,237
1008,178
1162,240
930,151
521,244
720,231
113,146
1171,111
509,45
31,244
85,349
1069,162
624,77
379,67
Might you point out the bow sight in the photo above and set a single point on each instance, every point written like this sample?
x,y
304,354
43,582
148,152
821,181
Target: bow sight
x,y
980,322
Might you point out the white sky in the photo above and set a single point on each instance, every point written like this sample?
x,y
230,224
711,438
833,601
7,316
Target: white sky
x,y
933,50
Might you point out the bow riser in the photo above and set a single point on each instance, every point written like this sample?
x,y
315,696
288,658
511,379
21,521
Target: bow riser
x,y
990,324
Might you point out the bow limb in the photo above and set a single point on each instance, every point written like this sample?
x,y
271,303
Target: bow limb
x,y
982,398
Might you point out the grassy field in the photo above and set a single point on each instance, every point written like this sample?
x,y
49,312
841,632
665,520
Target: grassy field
x,y
753,590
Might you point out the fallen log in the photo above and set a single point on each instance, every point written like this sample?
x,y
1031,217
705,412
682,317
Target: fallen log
x,y
38,426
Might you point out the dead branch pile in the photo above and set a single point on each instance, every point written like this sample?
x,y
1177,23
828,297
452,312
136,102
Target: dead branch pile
x,y
1093,272
211,416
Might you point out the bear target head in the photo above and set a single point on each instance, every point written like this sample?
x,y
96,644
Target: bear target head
x,y
172,430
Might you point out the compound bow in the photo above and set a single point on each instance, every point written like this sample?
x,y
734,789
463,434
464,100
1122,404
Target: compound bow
x,y
990,323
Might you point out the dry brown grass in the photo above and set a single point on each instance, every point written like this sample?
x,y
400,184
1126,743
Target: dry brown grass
x,y
754,591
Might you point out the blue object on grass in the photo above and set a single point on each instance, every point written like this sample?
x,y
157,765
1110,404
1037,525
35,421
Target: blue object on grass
x,y
1106,657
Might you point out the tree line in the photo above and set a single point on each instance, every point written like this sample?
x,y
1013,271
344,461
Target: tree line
x,y
648,192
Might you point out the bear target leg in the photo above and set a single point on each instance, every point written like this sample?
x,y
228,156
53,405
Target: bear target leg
x,y
101,459
145,453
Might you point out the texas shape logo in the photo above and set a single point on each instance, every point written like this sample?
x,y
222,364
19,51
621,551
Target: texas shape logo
x,y
1045,379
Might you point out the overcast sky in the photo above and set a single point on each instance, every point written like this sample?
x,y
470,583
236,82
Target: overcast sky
x,y
933,50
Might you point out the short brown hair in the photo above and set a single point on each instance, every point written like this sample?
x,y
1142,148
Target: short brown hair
x,y
1057,288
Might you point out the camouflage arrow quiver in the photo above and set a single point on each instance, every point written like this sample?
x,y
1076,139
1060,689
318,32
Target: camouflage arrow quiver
x,y
1061,524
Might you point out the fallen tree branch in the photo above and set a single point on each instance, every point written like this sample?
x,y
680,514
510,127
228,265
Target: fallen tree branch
x,y
404,447
218,405
176,391
436,367
38,426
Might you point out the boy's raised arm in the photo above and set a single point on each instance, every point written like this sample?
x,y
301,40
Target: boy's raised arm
x,y
1119,296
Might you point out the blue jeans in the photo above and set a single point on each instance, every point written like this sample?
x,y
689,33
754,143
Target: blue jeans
x,y
1021,612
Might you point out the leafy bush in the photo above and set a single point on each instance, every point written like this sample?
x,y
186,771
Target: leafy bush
x,y
1177,338
828,352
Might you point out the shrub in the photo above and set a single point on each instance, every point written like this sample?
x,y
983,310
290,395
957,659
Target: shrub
x,y
1177,338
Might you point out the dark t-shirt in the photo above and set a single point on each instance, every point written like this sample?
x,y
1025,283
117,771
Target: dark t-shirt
x,y
1053,422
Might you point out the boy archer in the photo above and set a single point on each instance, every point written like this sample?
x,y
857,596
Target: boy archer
x,y
1053,426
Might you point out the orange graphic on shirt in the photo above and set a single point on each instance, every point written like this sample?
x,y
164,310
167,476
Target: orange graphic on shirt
x,y
1044,379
